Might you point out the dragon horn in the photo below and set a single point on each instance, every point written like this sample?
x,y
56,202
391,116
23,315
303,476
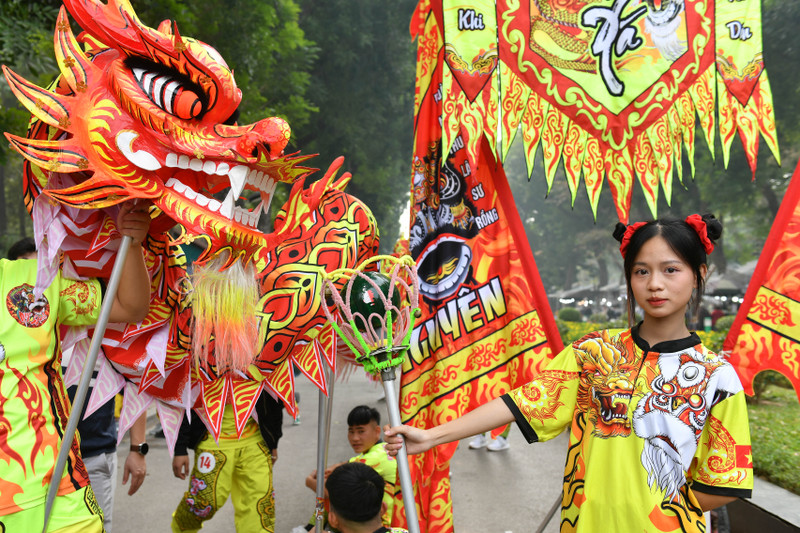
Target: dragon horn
x,y
56,156
114,23
47,106
165,27
73,63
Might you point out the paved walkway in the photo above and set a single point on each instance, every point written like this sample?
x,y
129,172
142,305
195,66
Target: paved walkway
x,y
493,492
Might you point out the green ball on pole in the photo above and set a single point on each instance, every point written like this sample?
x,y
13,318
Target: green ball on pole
x,y
367,299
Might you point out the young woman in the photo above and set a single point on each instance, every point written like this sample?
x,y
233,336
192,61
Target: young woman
x,y
658,423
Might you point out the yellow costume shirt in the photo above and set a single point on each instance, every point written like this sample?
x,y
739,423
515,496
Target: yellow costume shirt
x,y
34,406
648,427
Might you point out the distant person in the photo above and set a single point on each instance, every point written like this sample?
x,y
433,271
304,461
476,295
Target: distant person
x,y
485,440
699,319
35,406
364,435
24,248
716,314
98,435
356,500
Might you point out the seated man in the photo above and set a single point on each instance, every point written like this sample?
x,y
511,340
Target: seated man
x,y
356,500
364,435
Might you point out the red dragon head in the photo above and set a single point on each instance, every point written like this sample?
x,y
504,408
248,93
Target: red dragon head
x,y
146,113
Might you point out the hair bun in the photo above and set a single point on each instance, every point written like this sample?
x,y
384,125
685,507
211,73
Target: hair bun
x,y
713,226
619,231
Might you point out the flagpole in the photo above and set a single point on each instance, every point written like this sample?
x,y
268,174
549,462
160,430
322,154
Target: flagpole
x,y
86,377
549,515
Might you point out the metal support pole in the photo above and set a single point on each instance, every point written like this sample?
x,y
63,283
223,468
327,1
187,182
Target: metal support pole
x,y
323,437
549,515
86,377
403,470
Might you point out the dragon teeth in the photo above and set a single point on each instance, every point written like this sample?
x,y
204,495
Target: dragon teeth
x,y
222,169
239,176
227,206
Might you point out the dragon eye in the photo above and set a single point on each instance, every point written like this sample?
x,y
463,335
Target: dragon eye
x,y
169,93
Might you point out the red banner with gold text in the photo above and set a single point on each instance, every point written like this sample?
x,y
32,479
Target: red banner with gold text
x,y
486,326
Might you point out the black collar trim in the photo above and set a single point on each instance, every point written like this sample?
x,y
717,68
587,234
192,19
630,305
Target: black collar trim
x,y
677,345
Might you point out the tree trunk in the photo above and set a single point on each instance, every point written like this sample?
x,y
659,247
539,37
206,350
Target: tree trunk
x,y
769,195
719,257
569,276
23,217
602,272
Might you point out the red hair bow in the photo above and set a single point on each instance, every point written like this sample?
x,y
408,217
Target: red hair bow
x,y
699,226
626,238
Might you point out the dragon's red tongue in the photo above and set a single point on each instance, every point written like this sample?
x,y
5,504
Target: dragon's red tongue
x,y
194,180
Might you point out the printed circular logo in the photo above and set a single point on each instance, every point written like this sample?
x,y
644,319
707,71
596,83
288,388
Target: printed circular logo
x,y
206,462
25,308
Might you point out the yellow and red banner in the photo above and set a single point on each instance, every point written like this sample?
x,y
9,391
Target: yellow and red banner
x,y
613,88
486,325
766,332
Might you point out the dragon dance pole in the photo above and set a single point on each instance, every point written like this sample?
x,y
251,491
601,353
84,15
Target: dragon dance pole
x,y
377,328
403,469
323,438
86,377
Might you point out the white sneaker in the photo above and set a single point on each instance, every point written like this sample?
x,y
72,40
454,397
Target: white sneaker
x,y
299,529
498,445
479,441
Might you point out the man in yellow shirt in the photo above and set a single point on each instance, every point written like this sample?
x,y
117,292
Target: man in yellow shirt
x,y
32,393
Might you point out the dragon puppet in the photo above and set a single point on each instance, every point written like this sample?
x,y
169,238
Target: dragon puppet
x,y
143,113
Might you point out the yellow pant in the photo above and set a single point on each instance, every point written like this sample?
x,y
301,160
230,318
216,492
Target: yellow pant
x,y
244,473
76,512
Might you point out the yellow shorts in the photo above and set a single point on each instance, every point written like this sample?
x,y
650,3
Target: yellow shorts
x,y
76,512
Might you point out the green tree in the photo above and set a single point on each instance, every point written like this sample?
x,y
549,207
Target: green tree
x,y
363,84
26,45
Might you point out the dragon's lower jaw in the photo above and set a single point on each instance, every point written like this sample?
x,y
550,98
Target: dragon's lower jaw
x,y
226,224
206,173
223,212
201,216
